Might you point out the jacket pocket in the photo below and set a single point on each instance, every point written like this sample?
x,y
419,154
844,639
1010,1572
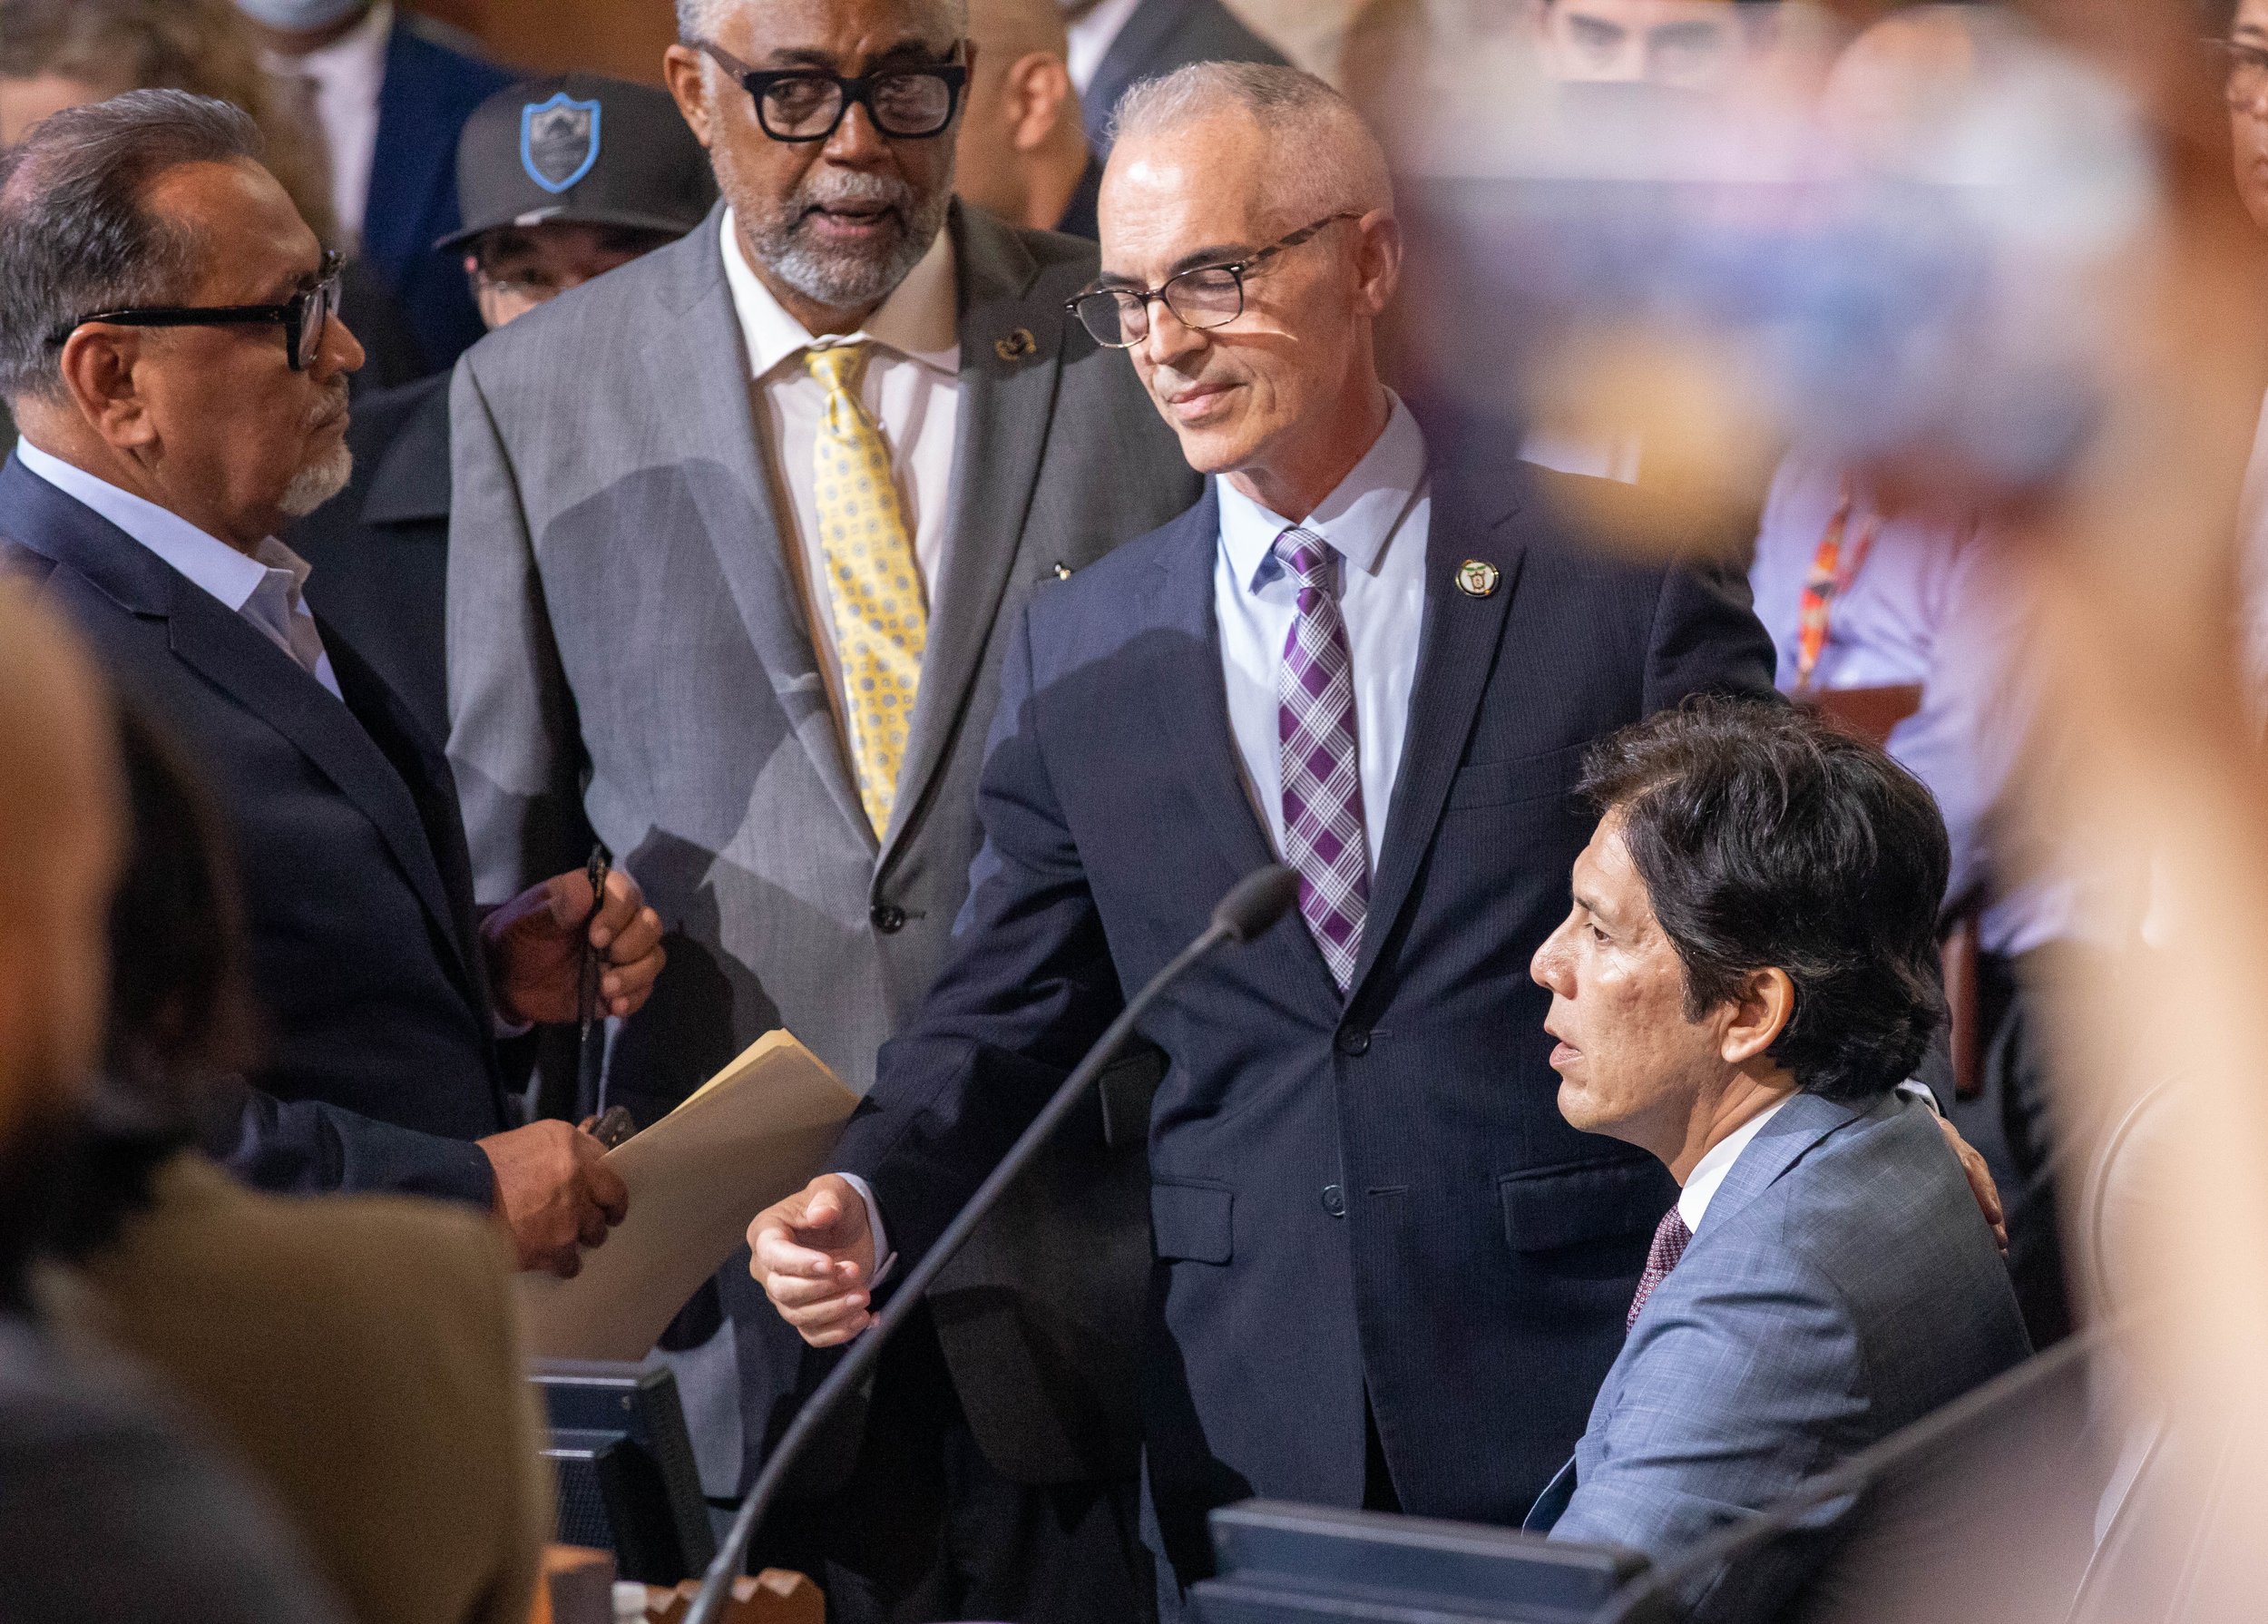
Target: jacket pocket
x,y
1567,1205
1550,776
1191,1222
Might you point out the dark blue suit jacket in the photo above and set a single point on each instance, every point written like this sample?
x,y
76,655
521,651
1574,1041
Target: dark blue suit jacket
x,y
1377,1198
1161,36
358,895
430,89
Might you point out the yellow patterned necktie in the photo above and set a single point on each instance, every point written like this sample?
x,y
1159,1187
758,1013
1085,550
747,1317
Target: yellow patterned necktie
x,y
881,624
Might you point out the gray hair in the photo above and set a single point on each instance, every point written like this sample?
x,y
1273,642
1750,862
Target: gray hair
x,y
1326,158
75,235
697,19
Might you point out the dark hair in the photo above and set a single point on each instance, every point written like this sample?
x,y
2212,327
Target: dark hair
x,y
1769,838
75,235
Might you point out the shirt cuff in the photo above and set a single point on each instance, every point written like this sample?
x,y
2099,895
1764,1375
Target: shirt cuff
x,y
873,1223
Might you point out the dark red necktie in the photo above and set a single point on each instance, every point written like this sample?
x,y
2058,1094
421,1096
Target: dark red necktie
x,y
1670,1239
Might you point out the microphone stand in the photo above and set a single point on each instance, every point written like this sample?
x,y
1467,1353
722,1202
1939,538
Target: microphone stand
x,y
1255,901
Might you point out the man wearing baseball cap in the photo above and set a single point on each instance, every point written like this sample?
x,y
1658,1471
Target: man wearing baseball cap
x,y
561,180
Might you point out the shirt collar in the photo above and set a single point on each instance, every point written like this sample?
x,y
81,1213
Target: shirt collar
x,y
360,52
1355,519
209,562
919,321
1708,1174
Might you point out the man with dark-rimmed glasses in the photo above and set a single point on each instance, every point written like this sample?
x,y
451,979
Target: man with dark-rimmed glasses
x,y
168,343
1387,1273
737,535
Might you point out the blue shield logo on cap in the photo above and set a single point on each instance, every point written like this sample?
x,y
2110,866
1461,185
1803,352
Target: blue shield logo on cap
x,y
559,140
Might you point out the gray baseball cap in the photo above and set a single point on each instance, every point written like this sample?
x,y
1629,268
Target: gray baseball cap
x,y
580,149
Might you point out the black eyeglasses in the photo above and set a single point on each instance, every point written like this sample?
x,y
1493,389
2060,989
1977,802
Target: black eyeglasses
x,y
1205,296
2247,81
304,318
807,104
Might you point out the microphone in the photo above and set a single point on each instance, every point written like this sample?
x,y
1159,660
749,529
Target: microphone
x,y
1252,905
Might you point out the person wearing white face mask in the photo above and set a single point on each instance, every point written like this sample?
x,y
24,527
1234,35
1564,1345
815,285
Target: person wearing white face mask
x,y
390,92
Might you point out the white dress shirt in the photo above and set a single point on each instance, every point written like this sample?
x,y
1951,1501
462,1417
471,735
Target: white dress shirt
x,y
346,77
911,389
1377,521
1090,39
266,588
1708,1174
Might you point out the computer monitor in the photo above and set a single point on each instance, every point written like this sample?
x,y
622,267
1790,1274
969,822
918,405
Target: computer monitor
x,y
627,1480
1301,1564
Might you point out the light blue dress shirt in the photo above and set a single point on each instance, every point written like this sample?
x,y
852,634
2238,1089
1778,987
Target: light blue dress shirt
x,y
1377,520
1928,605
265,589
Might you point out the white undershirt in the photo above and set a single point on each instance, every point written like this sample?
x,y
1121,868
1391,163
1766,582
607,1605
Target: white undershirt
x,y
1708,1173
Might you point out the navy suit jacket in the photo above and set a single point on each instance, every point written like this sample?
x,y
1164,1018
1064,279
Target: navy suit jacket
x,y
1377,1196
365,955
1843,1286
430,89
1161,36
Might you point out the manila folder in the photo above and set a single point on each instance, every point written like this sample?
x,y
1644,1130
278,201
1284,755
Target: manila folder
x,y
757,1131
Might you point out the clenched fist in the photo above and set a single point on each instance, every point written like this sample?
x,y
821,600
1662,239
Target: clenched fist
x,y
813,1255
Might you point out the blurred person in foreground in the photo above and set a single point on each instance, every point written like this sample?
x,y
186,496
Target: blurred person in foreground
x,y
167,345
107,1509
738,533
1373,650
1684,45
386,91
615,174
1115,44
2245,85
1023,153
358,1354
1747,974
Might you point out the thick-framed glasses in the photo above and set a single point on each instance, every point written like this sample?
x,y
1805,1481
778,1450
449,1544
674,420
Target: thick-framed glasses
x,y
807,104
304,318
2246,86
1205,296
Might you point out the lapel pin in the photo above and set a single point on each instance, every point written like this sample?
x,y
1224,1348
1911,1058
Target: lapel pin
x,y
1062,571
1016,345
1477,578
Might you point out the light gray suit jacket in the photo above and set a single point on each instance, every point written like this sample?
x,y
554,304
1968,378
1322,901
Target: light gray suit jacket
x,y
628,656
1842,1286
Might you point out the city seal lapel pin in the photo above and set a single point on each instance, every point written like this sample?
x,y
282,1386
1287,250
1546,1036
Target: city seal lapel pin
x,y
1477,578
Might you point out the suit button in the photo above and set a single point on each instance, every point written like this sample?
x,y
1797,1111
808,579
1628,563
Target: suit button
x,y
888,917
1353,1039
1334,1200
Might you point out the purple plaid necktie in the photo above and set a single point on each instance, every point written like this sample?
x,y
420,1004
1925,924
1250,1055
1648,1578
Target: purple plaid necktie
x,y
1323,778
1670,1239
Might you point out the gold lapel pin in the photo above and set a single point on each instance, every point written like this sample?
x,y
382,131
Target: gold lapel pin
x,y
1062,571
1477,578
1016,345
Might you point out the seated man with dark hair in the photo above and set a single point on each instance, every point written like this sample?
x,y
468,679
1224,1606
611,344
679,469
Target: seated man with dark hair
x,y
1748,972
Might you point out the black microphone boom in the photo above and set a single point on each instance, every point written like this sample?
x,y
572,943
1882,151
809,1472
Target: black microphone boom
x,y
1253,904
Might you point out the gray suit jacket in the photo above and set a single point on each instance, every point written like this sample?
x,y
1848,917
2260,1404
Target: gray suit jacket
x,y
1842,1286
628,655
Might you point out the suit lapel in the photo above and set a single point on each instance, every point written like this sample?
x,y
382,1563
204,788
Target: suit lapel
x,y
717,425
1779,1145
1457,651
1007,394
1189,698
217,645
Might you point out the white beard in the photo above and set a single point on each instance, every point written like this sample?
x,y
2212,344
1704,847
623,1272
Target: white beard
x,y
319,482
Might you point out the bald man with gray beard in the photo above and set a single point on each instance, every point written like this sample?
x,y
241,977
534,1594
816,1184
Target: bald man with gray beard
x,y
675,627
